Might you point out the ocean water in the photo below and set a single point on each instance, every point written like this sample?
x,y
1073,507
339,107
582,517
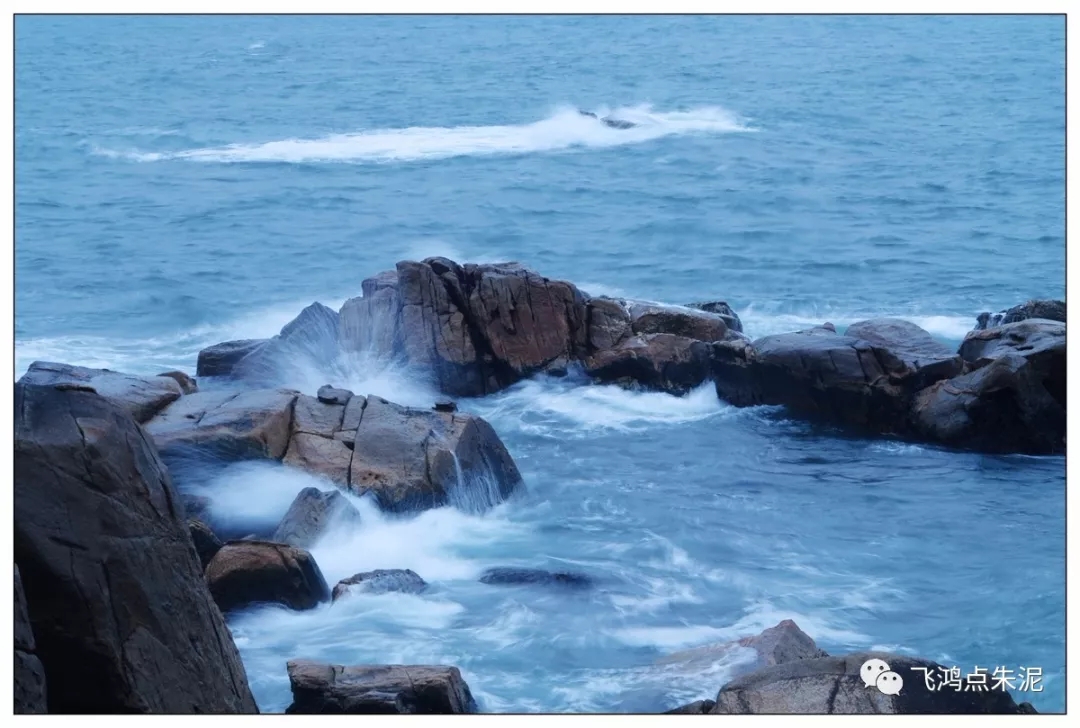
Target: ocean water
x,y
186,180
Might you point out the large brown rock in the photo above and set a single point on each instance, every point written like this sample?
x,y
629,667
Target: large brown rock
x,y
29,674
248,572
330,457
232,425
652,318
664,362
608,323
142,397
312,514
430,689
122,618
722,309
1040,342
1035,309
833,685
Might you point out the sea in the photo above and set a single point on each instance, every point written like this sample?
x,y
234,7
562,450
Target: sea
x,y
184,180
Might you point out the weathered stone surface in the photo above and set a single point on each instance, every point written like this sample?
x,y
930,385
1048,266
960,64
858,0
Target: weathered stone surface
x,y
608,323
29,674
1039,341
121,616
333,395
248,424
650,318
504,575
908,354
221,359
142,397
370,324
698,707
406,458
722,309
312,514
1035,309
243,573
784,642
354,412
663,362
207,544
833,685
325,456
325,689
380,581
187,384
316,417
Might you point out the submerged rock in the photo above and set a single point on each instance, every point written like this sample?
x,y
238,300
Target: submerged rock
x,y
429,689
380,581
312,514
518,576
1035,309
141,397
122,619
243,573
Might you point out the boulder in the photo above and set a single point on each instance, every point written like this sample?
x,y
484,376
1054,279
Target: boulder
x,y
607,322
380,581
250,572
330,457
664,362
221,359
722,309
333,395
142,397
29,674
234,426
187,384
652,318
207,544
517,576
429,689
833,685
411,459
1035,309
1040,342
909,355
122,618
314,416
312,514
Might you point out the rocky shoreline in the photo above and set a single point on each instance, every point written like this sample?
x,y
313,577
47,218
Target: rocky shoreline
x,y
121,581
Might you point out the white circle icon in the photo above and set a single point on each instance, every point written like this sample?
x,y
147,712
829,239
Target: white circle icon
x,y
871,670
890,683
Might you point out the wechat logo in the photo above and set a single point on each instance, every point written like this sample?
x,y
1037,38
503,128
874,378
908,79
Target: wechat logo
x,y
876,673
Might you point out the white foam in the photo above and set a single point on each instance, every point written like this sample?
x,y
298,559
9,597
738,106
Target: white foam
x,y
564,129
757,322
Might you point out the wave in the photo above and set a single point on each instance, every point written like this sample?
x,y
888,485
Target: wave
x,y
766,321
564,129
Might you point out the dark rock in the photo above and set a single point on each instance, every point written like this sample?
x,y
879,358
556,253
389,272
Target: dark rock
x,y
221,359
122,618
370,324
381,581
187,384
243,573
516,576
142,397
207,544
650,318
698,707
445,405
312,514
333,395
723,310
196,507
907,352
249,424
1040,342
663,362
1047,309
29,673
833,685
428,689
608,323
411,459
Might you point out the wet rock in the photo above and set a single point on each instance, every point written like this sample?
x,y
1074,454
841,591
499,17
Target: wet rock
x,y
196,507
188,385
698,707
333,395
445,405
380,581
243,573
312,514
411,459
142,397
909,354
722,309
649,318
833,685
429,689
330,457
221,359
608,323
370,323
1036,309
784,642
517,576
662,362
122,618
29,673
316,417
233,426
1040,342
207,544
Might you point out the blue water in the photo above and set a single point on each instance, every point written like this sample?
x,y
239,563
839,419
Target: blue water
x,y
184,180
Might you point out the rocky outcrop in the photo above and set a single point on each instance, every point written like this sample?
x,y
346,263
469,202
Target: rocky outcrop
x,y
325,689
515,576
243,573
1044,309
380,581
121,616
783,643
722,309
29,674
653,318
664,362
833,685
206,542
231,425
312,514
141,397
221,360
